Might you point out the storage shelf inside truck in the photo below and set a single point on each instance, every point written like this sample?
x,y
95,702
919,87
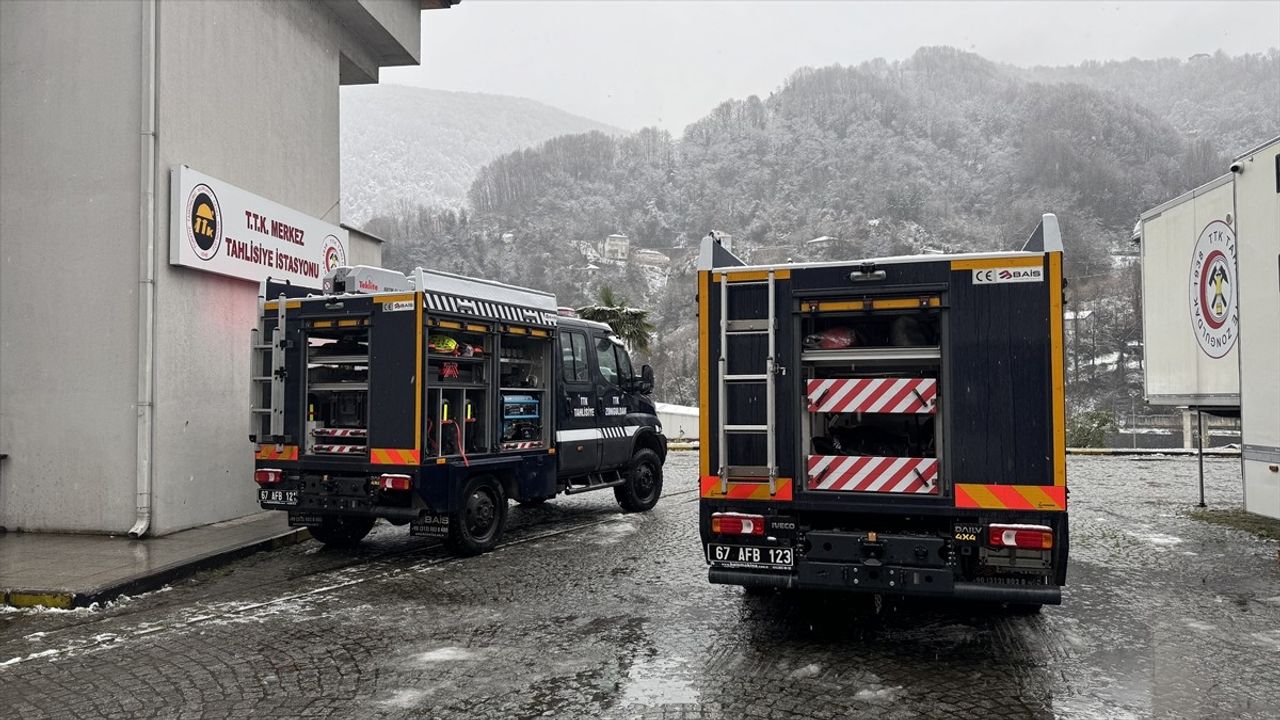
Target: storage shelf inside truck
x,y
338,360
885,354
338,387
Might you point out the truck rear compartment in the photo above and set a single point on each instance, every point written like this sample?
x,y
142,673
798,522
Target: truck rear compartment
x,y
891,428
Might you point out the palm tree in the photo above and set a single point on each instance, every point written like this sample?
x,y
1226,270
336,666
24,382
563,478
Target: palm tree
x,y
630,324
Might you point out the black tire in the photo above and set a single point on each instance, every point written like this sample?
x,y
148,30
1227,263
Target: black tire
x,y
532,502
644,482
342,531
477,525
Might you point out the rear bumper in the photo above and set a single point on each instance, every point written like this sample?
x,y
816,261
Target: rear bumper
x,y
885,580
375,506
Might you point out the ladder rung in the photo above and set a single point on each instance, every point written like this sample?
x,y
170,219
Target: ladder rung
x,y
261,347
754,325
260,410
261,378
746,428
755,472
756,378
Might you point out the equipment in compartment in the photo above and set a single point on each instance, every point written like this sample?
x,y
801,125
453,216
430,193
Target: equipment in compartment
x,y
521,417
872,331
881,435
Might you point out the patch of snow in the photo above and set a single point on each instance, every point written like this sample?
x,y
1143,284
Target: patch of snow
x,y
403,698
810,670
880,694
32,656
1269,638
445,654
1162,540
1201,626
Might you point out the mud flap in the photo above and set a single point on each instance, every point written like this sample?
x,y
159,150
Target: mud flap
x,y
298,519
436,526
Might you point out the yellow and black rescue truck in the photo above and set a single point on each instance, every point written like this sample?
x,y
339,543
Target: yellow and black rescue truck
x,y
431,400
891,426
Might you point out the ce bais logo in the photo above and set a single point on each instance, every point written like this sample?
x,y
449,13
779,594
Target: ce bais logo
x,y
991,276
204,222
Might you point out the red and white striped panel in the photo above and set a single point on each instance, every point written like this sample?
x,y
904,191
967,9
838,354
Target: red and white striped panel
x,y
860,473
874,395
340,432
522,445
339,449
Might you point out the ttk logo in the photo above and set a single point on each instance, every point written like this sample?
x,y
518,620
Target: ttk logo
x,y
1215,319
334,255
204,222
991,276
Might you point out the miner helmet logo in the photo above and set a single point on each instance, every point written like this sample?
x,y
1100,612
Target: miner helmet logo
x,y
204,222
333,254
1214,316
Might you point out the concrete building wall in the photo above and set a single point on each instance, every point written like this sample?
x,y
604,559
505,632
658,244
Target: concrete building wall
x,y
69,235
246,92
364,250
256,107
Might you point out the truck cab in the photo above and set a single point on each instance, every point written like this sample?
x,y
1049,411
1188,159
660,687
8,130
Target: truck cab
x,y
432,400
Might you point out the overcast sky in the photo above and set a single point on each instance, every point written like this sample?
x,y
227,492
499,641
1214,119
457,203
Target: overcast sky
x,y
667,63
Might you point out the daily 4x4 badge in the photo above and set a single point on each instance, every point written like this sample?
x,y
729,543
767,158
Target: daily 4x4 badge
x,y
1215,319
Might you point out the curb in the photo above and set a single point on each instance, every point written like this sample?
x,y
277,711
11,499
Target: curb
x,y
67,599
1171,452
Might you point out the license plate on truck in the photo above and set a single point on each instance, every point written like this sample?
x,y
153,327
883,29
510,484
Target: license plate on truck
x,y
751,556
278,497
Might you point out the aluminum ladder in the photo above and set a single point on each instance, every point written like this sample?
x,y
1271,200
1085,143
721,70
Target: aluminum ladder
x,y
767,325
267,367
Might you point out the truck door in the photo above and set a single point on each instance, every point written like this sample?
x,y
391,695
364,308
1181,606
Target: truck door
x,y
613,373
577,434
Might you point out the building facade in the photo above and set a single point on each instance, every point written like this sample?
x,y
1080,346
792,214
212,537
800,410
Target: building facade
x,y
124,379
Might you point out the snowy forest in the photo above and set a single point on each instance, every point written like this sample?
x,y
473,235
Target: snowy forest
x,y
943,152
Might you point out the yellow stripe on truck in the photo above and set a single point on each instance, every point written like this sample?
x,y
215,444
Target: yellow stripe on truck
x,y
1056,359
704,376
986,263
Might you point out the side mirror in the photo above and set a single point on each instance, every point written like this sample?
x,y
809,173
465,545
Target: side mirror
x,y
645,386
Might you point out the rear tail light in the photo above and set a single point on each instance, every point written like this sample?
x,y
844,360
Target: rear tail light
x,y
391,481
1033,537
268,476
737,524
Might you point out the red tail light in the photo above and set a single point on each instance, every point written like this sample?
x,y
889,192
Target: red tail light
x,y
737,524
391,481
1033,537
268,476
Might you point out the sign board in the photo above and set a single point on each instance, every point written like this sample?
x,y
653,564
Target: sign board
x,y
1189,299
220,228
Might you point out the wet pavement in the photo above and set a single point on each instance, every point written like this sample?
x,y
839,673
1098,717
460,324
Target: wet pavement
x,y
586,612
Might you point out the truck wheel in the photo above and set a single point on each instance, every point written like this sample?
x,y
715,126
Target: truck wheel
x,y
342,532
476,526
644,482
532,502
